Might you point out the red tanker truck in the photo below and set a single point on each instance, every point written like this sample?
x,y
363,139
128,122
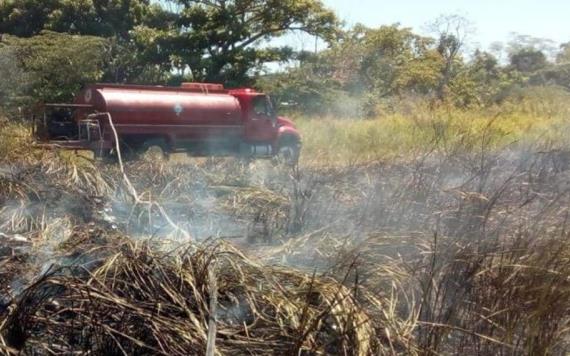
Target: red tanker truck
x,y
198,118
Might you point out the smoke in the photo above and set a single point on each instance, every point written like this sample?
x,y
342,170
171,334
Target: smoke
x,y
463,196
47,207
322,213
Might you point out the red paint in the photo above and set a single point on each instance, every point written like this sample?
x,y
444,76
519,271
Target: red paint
x,y
191,117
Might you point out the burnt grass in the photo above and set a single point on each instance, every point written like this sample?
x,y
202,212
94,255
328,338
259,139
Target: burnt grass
x,y
462,251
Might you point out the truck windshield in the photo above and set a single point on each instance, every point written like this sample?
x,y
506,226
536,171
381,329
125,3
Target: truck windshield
x,y
262,106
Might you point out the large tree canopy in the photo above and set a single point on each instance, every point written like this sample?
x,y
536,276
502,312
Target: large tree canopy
x,y
106,18
221,40
124,23
385,61
52,66
215,40
528,60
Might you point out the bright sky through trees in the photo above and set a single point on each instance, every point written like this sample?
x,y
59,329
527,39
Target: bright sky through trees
x,y
494,20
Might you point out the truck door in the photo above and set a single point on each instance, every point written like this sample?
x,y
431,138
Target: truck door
x,y
262,120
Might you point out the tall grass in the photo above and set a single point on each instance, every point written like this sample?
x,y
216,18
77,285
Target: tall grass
x,y
15,139
341,141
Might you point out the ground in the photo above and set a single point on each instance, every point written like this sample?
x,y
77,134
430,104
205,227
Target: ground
x,y
418,234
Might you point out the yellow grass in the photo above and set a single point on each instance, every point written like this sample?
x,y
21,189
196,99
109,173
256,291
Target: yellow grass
x,y
333,141
13,138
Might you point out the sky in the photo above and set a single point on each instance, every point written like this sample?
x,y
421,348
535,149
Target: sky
x,y
494,20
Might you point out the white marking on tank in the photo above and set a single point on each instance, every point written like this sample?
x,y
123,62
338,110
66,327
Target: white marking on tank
x,y
88,95
178,109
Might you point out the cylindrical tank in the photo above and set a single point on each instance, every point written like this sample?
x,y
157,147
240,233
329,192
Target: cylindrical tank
x,y
142,106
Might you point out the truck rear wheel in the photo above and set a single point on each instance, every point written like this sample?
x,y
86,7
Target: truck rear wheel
x,y
155,150
128,153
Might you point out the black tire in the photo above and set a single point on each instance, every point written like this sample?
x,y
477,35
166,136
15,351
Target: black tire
x,y
288,151
129,153
155,150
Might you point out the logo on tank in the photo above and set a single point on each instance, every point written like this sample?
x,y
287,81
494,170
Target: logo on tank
x,y
88,95
178,109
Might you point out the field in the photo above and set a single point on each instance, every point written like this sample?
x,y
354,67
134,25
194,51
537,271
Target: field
x,y
423,232
413,129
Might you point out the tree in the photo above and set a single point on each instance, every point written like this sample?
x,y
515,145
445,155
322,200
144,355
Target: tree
x,y
528,60
557,73
222,41
478,82
520,43
57,65
563,56
397,60
304,89
388,60
497,49
14,81
105,18
366,66
452,32
146,57
122,22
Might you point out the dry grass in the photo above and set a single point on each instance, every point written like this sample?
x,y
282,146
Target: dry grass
x,y
413,127
139,300
457,245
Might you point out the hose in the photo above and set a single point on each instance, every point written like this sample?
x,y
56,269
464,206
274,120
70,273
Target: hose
x,y
132,189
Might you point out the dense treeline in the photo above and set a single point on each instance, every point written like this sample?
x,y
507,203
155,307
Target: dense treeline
x,y
375,69
49,49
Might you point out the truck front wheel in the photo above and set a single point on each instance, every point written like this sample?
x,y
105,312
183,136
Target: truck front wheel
x,y
288,151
